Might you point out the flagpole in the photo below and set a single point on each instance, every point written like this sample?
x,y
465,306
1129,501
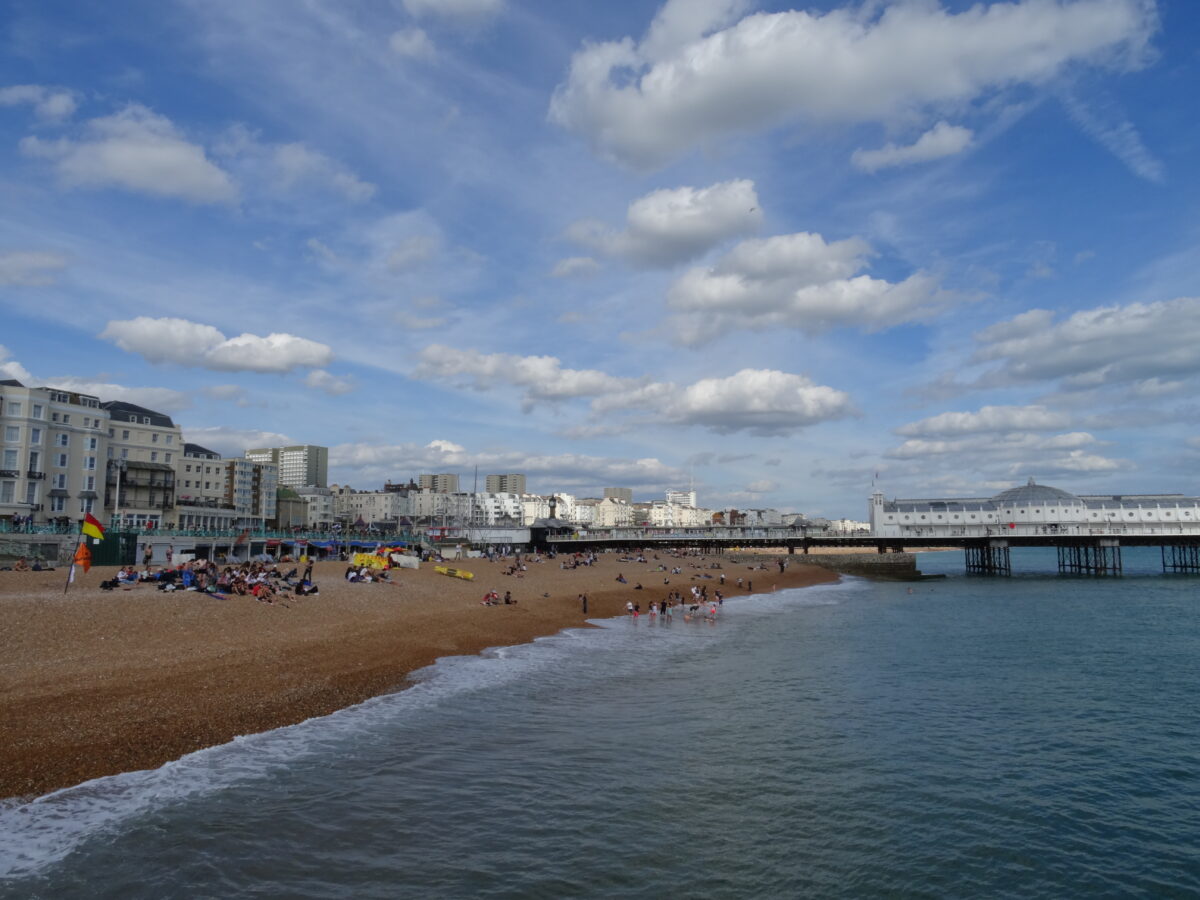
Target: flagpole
x,y
71,571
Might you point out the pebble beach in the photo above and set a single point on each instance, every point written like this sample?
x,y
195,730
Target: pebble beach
x,y
99,682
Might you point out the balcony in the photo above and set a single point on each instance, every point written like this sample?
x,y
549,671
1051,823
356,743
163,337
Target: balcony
x,y
10,473
35,476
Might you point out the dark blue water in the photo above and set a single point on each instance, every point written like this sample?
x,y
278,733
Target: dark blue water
x,y
1026,737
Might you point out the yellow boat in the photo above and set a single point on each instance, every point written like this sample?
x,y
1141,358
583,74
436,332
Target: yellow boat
x,y
455,573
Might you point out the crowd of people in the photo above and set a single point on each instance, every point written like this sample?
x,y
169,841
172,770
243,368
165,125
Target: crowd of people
x,y
261,580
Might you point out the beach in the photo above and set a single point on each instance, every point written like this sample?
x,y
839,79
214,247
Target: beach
x,y
96,682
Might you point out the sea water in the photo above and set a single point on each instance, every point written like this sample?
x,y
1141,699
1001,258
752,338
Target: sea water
x,y
1033,736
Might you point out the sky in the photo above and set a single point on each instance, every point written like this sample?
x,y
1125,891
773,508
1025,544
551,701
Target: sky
x,y
781,254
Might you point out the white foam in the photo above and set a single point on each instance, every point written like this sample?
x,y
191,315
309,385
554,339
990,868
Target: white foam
x,y
43,831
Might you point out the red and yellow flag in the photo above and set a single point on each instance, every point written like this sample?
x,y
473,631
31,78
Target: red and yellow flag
x,y
83,557
92,527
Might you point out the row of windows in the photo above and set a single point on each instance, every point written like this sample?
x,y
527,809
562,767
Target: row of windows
x,y
991,516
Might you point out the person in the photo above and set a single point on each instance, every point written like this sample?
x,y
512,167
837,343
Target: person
x,y
21,565
629,607
621,578
170,553
508,598
583,601
147,555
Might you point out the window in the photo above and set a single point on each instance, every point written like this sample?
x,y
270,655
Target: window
x,y
35,460
59,481
187,484
66,418
10,460
39,411
14,408
110,453
58,504
187,468
31,493
12,433
53,417
125,453
167,457
153,456
145,420
124,434
89,462
85,506
62,440
35,435
154,438
111,432
170,438
89,483
61,460
91,444
7,489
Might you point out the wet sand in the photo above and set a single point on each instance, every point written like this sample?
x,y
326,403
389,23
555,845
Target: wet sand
x,y
93,683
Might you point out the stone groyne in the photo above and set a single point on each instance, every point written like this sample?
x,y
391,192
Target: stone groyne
x,y
888,566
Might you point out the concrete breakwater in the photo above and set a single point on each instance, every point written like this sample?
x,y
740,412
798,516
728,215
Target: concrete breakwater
x,y
890,566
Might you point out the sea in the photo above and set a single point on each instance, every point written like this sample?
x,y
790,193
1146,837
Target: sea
x,y
1032,736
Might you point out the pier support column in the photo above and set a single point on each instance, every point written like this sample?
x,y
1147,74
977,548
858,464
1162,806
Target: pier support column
x,y
990,558
1182,558
1102,557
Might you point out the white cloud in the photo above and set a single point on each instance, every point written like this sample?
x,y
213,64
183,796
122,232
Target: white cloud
x,y
764,486
1093,347
186,343
988,419
463,10
412,251
542,377
231,442
1115,133
643,104
796,281
288,169
575,266
666,227
48,104
160,399
333,385
10,368
979,446
137,150
30,268
941,140
413,43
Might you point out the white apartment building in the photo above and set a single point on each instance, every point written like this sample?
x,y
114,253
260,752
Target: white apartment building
x,y
371,508
299,465
612,513
505,484
144,448
681,498
322,512
250,490
52,447
619,493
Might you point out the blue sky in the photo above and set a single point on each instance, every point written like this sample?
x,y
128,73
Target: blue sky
x,y
773,252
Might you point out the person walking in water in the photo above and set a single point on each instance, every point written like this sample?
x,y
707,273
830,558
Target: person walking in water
x,y
583,602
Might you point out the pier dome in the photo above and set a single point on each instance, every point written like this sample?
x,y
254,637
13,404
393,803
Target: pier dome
x,y
1033,494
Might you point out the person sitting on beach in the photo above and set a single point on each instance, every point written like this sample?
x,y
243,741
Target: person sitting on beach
x,y
21,565
264,592
351,574
306,589
621,578
508,598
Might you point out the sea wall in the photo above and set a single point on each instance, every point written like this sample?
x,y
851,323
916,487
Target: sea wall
x,y
892,566
50,548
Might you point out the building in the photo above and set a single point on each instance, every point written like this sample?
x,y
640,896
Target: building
x,y
382,510
321,512
144,447
200,491
505,484
445,483
1034,509
53,444
681,498
298,466
617,493
250,490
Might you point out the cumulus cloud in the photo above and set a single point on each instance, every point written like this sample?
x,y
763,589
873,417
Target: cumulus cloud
x,y
10,368
698,75
542,377
186,343
161,399
796,281
575,267
990,445
941,140
333,385
232,442
762,402
671,226
1096,347
989,419
137,150
30,268
413,43
758,401
49,104
460,10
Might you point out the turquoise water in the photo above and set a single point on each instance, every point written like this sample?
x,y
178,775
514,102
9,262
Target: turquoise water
x,y
1024,737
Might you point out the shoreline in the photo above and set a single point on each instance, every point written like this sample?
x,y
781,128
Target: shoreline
x,y
96,683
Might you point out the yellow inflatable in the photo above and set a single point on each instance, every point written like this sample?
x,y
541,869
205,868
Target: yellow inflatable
x,y
455,573
370,560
